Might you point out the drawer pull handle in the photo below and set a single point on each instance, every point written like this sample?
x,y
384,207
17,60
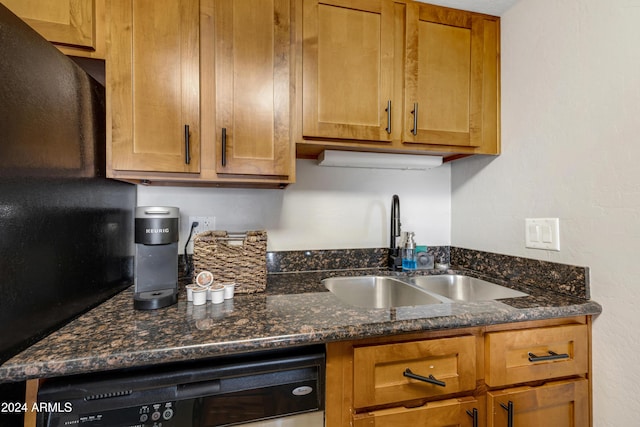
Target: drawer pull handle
x,y
550,356
509,409
430,379
474,416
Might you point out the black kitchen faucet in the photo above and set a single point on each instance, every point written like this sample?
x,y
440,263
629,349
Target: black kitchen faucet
x,y
394,259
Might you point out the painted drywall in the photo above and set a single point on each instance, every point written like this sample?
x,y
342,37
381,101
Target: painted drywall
x,y
491,7
327,207
570,108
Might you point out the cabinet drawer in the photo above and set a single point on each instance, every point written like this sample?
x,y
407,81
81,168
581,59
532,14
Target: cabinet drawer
x,y
557,404
380,372
536,354
450,412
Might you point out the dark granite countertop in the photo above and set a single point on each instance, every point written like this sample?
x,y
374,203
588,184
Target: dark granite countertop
x,y
295,310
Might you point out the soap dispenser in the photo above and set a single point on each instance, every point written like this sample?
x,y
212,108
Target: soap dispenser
x,y
409,252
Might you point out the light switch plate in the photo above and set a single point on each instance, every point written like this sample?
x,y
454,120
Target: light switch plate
x,y
542,233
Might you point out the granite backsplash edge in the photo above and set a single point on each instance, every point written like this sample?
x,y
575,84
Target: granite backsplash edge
x,y
561,278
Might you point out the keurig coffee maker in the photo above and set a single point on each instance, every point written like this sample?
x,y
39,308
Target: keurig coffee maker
x,y
156,262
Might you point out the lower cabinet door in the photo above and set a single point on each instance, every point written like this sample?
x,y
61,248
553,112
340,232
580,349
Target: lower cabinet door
x,y
462,412
556,404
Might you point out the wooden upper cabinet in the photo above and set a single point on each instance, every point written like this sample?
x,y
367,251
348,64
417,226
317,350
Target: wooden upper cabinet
x,y
450,78
444,76
153,86
436,68
348,69
252,87
75,26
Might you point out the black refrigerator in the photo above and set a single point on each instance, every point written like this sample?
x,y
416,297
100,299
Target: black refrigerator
x,y
66,232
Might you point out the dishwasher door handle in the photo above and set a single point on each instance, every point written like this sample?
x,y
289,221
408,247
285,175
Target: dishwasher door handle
x,y
199,389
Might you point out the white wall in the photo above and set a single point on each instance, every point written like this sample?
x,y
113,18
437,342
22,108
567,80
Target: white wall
x,y
327,208
570,126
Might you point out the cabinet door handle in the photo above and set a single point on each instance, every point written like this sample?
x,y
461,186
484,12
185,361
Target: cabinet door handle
x,y
430,379
388,110
550,356
224,146
474,416
509,408
187,145
414,131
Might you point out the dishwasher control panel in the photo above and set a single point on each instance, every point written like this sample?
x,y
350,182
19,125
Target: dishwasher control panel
x,y
162,414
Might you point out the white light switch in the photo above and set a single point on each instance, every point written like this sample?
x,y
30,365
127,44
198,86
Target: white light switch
x,y
542,233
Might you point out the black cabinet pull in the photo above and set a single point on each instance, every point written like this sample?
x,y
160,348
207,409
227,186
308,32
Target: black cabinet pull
x,y
224,146
474,416
550,356
414,131
509,408
430,379
187,145
388,110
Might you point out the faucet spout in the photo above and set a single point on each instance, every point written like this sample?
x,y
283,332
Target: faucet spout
x,y
394,261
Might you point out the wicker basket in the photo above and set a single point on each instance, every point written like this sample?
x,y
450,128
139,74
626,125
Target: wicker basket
x,y
233,258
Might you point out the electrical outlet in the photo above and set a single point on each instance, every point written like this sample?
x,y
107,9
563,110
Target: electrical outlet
x,y
205,223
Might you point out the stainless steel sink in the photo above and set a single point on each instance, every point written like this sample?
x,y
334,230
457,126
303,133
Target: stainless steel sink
x,y
464,288
377,292
386,292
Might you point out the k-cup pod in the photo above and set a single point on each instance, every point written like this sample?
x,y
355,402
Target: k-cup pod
x,y
204,279
229,289
199,296
217,293
190,289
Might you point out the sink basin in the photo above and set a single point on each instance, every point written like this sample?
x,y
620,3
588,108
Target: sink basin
x,y
377,292
464,288
386,292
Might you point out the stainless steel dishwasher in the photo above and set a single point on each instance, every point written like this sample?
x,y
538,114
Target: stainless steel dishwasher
x,y
272,389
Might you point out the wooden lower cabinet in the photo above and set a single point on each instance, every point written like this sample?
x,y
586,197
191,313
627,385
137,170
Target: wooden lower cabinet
x,y
527,374
515,357
556,404
398,372
466,411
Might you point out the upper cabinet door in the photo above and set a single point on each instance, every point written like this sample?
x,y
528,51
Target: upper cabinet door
x,y
348,48
153,85
443,76
67,22
252,87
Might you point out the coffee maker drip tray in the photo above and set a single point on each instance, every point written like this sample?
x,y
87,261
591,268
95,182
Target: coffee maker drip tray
x,y
151,300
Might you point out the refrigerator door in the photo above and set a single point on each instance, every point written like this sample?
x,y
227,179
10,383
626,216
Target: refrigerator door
x,y
66,232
